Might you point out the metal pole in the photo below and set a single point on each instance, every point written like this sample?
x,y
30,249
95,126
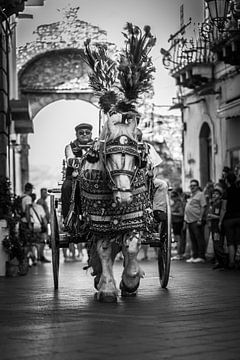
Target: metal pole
x,y
14,165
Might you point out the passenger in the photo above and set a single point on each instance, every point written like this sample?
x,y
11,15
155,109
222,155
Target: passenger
x,y
193,217
159,202
153,172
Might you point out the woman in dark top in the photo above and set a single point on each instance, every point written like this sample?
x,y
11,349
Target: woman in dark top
x,y
230,219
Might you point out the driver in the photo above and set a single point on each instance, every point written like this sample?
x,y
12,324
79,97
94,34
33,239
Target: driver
x,y
73,152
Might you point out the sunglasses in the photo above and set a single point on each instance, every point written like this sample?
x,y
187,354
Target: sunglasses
x,y
193,185
84,132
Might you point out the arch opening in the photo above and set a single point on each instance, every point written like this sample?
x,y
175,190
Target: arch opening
x,y
205,143
53,130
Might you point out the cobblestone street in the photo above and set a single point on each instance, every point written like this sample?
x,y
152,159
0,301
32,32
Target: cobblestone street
x,y
197,317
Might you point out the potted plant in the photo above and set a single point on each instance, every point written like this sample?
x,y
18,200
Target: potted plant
x,y
16,264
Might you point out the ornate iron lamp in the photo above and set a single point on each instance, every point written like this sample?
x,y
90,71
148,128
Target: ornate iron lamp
x,y
218,10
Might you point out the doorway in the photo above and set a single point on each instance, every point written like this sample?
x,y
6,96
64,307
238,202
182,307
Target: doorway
x,y
205,142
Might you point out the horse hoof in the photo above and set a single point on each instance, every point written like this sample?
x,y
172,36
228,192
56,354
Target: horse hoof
x,y
127,292
96,281
106,297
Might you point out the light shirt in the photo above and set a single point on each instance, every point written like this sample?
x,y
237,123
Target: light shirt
x,y
44,204
26,200
36,219
193,207
160,194
153,158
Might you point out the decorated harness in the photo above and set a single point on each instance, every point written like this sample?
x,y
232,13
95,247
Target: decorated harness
x,y
101,213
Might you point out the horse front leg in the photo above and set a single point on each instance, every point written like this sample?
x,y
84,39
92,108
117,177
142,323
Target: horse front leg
x,y
107,290
132,272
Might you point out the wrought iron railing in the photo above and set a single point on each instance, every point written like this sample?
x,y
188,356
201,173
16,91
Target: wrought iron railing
x,y
185,52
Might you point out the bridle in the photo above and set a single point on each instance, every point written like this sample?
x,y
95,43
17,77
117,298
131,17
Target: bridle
x,y
123,145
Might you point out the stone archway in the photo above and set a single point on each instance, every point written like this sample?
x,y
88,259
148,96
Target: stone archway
x,y
51,67
55,75
205,143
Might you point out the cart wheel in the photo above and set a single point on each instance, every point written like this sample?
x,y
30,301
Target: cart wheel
x,y
164,251
54,241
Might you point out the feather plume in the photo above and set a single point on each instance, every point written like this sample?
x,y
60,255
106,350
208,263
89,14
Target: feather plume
x,y
104,69
119,84
135,66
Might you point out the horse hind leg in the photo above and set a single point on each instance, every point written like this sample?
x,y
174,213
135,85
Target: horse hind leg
x,y
132,272
107,290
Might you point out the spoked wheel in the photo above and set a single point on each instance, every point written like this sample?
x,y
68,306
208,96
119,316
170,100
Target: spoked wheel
x,y
54,241
164,251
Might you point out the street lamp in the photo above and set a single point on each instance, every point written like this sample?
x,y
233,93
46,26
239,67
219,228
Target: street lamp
x,y
218,11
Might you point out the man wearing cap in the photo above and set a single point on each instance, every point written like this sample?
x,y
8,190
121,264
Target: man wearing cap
x,y
73,152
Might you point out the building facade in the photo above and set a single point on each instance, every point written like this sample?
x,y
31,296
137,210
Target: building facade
x,y
206,68
15,116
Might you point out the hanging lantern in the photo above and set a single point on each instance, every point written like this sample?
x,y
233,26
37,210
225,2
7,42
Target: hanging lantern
x,y
218,10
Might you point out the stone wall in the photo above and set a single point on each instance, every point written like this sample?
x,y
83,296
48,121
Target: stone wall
x,y
68,33
61,70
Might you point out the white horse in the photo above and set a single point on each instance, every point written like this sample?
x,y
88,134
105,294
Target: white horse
x,y
115,207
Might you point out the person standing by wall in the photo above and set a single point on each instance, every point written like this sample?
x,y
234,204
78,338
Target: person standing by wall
x,y
177,213
217,236
230,219
193,216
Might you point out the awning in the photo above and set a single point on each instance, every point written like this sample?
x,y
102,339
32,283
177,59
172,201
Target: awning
x,y
34,2
21,115
230,109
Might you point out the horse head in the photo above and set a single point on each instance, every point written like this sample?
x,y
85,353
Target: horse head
x,y
120,152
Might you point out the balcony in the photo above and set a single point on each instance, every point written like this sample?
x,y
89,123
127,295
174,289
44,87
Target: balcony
x,y
227,48
190,62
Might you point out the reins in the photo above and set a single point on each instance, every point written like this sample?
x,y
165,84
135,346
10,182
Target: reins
x,y
115,147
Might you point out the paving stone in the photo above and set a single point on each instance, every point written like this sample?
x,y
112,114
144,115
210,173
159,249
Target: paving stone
x,y
197,317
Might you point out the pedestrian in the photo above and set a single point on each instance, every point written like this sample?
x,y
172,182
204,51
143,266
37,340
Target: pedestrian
x,y
193,216
25,226
225,171
40,220
208,192
213,216
230,219
177,215
43,202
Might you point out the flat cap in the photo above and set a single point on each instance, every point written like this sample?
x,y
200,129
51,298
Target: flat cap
x,y
83,126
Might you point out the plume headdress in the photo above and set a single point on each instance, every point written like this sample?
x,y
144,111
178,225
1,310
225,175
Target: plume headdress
x,y
119,84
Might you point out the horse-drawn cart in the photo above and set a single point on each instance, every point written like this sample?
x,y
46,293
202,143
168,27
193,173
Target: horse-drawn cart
x,y
59,239
115,204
